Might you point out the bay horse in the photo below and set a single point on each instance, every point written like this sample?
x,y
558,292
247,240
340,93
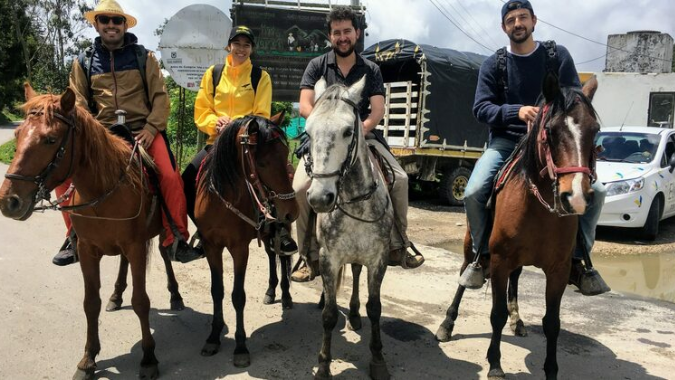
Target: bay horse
x,y
59,140
243,186
536,216
354,213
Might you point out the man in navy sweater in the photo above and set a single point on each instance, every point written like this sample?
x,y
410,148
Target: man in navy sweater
x,y
507,105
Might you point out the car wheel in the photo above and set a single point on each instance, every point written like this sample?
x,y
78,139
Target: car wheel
x,y
651,227
453,184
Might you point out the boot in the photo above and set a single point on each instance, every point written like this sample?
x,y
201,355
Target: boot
x,y
401,257
181,251
68,253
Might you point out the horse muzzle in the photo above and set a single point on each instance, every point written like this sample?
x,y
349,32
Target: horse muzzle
x,y
575,203
322,199
16,207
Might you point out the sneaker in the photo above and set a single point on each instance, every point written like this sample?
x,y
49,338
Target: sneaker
x,y
183,252
306,272
287,246
67,254
401,257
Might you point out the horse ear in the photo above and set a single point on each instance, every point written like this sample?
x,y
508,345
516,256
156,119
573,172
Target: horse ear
x,y
253,126
551,87
319,89
590,87
28,91
278,119
67,101
354,92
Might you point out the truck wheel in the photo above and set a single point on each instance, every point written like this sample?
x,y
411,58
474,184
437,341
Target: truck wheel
x,y
651,227
453,184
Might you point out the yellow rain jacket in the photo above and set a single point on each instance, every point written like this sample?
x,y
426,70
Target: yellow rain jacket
x,y
235,97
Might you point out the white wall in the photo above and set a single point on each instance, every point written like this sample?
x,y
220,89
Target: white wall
x,y
626,96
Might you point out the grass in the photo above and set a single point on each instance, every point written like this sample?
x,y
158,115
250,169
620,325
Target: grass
x,y
7,151
6,117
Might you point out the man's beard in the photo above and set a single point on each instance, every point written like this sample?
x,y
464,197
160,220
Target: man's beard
x,y
343,54
522,38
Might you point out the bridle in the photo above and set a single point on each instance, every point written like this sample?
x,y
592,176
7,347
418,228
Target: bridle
x,y
260,193
42,191
545,158
346,165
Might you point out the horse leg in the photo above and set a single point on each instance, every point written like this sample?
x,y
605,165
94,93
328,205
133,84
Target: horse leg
x,y
214,256
329,316
286,298
444,333
354,319
115,301
498,317
90,265
378,366
555,287
141,304
171,283
242,358
270,294
517,325
322,300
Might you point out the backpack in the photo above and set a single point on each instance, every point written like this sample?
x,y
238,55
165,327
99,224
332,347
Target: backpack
x,y
87,57
256,73
502,76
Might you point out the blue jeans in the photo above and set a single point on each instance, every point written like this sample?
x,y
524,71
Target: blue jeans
x,y
479,188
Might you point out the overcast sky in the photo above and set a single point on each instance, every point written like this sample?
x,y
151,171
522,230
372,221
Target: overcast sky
x,y
422,22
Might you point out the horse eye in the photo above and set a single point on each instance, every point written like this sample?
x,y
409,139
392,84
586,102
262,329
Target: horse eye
x,y
49,140
348,133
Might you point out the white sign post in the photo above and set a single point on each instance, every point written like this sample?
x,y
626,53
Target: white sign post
x,y
193,40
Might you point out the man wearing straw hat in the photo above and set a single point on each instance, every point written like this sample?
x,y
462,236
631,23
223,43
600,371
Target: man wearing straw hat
x,y
118,74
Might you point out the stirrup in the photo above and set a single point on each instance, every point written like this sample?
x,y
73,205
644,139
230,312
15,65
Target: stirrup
x,y
472,277
592,284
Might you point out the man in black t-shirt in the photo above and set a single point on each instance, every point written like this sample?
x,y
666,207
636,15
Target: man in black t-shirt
x,y
343,65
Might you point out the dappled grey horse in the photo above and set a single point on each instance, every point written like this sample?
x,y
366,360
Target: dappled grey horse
x,y
354,213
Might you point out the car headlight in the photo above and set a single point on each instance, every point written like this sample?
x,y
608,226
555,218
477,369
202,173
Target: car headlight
x,y
625,187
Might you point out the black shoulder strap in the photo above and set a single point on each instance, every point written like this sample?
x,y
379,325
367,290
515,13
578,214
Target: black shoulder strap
x,y
502,76
551,56
215,76
85,59
141,58
256,74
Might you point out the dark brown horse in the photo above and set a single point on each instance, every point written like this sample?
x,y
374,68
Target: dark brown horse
x,y
59,140
536,216
243,187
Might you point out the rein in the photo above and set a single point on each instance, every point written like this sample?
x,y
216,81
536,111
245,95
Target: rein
x,y
549,166
347,164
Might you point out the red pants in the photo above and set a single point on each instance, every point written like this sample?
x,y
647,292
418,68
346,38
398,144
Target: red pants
x,y
171,186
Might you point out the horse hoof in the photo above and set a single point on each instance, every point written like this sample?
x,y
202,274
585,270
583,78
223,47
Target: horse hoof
x,y
378,371
444,334
242,360
496,374
177,305
323,375
210,349
354,322
268,300
519,329
150,372
113,305
287,303
84,374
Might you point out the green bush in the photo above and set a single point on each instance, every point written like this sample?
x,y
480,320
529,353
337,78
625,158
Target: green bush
x,y
7,152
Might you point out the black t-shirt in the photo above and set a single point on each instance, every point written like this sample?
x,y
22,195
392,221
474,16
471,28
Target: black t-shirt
x,y
325,66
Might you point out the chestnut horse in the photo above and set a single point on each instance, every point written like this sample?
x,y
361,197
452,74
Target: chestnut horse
x,y
59,140
243,188
536,216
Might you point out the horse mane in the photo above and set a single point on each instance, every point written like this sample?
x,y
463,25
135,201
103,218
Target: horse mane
x,y
569,97
105,154
222,166
333,94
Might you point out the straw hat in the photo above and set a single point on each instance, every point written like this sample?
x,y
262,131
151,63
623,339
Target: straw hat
x,y
109,7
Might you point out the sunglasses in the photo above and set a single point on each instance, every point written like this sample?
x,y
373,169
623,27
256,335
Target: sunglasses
x,y
514,5
117,20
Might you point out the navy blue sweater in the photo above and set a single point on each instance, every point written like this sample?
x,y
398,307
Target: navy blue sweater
x,y
525,80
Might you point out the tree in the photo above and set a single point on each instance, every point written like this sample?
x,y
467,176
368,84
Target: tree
x,y
12,64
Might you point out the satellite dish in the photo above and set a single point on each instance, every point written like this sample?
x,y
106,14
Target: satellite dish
x,y
194,39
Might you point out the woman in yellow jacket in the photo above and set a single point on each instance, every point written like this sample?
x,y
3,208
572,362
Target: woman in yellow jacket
x,y
234,98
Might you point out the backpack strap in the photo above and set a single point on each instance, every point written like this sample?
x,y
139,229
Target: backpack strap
x,y
551,56
256,74
85,60
502,77
141,58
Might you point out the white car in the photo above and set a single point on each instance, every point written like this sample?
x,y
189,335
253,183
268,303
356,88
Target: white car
x,y
636,166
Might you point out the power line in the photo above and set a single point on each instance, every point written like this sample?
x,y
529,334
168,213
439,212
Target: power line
x,y
590,60
479,25
458,27
467,22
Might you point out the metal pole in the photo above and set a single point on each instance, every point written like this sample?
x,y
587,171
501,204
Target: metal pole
x,y
181,127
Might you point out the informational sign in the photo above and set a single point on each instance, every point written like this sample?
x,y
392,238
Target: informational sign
x,y
194,39
286,40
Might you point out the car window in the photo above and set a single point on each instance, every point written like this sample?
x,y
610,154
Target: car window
x,y
670,149
627,147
